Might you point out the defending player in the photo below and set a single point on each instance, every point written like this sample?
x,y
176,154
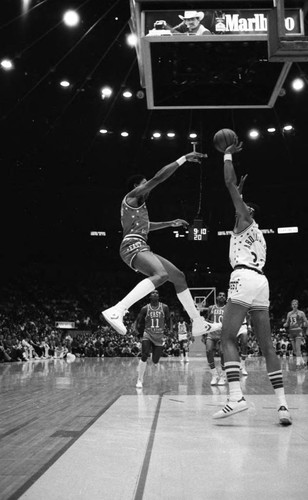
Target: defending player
x,y
136,253
248,290
153,321
213,339
296,322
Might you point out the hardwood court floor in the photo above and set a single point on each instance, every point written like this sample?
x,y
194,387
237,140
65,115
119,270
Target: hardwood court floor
x,y
83,431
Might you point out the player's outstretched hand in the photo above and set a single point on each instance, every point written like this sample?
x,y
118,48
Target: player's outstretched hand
x,y
179,222
195,157
236,147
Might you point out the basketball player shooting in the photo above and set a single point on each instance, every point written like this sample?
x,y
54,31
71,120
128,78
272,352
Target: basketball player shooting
x,y
136,253
248,291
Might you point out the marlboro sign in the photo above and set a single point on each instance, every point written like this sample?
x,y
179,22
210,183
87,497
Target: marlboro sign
x,y
254,22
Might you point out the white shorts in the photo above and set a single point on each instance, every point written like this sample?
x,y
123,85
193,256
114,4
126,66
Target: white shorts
x,y
249,289
242,330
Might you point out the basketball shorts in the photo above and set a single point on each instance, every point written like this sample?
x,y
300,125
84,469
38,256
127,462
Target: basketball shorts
x,y
296,333
155,338
214,336
249,289
182,336
130,247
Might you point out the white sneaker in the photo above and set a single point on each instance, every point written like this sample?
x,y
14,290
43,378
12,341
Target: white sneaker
x,y
222,380
284,416
115,319
139,384
231,407
201,326
215,379
243,370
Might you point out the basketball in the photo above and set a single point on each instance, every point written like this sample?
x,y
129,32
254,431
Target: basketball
x,y
224,138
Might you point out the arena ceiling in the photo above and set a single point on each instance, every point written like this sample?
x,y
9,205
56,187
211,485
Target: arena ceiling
x,y
61,178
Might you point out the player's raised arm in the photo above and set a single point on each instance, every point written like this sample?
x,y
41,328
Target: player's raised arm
x,y
163,174
231,183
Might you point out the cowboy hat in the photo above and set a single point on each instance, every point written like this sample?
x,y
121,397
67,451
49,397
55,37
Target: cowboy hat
x,y
189,14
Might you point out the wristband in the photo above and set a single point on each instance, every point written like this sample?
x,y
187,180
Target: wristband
x,y
228,156
181,160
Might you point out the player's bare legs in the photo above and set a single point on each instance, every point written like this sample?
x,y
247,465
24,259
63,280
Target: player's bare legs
x,y
147,263
262,330
263,333
232,321
159,270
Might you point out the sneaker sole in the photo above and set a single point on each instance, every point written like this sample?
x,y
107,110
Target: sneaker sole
x,y
112,323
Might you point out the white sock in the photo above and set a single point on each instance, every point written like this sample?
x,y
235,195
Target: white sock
x,y
143,288
298,360
141,369
281,397
188,303
235,391
214,371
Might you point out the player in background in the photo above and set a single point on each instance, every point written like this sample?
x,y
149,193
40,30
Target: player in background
x,y
152,321
213,339
183,335
248,290
295,323
136,253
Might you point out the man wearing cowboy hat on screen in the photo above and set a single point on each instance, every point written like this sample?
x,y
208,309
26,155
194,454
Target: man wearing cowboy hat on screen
x,y
191,24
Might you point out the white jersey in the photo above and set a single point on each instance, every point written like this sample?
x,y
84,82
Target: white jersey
x,y
248,248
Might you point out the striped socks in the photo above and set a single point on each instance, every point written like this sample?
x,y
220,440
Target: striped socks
x,y
277,383
232,370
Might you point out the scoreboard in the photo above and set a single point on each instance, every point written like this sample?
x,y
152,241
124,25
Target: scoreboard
x,y
229,65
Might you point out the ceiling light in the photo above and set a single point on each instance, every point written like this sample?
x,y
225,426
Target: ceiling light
x,y
65,83
103,131
171,135
127,94
254,134
157,135
124,134
71,18
193,135
287,128
106,92
6,64
132,39
298,84
271,130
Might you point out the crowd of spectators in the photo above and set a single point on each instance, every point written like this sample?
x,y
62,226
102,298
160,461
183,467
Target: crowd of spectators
x,y
30,310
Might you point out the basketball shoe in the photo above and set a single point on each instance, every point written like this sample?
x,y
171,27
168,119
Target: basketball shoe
x,y
215,379
231,407
201,326
284,416
115,319
222,380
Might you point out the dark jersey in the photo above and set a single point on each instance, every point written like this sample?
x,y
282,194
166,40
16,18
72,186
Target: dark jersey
x,y
155,324
216,313
135,221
